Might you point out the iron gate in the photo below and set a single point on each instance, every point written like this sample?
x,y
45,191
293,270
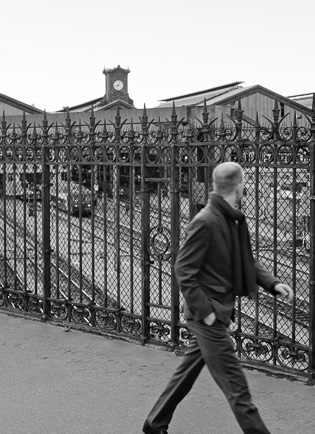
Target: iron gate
x,y
92,217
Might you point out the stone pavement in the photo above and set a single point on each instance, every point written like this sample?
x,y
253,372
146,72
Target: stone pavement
x,y
55,380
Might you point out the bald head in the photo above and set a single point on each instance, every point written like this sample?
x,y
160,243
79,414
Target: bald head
x,y
227,177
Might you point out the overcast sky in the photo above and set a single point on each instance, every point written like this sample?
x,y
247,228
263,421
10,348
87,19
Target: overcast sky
x,y
53,52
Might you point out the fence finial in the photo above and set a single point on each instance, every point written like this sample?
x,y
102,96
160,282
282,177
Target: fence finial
x,y
144,114
68,115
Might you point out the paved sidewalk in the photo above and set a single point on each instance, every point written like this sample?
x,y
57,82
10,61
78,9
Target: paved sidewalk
x,y
58,381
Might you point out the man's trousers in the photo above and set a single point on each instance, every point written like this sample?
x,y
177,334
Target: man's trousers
x,y
213,346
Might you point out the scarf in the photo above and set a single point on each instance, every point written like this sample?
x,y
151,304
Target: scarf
x,y
242,256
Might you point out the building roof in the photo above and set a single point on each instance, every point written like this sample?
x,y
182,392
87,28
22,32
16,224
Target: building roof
x,y
307,99
83,107
19,105
97,105
196,97
242,92
229,94
302,96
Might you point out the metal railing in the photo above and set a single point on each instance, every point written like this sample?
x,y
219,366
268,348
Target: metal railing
x,y
92,217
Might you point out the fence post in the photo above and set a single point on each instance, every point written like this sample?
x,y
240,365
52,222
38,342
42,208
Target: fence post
x,y
145,227
174,193
312,250
46,221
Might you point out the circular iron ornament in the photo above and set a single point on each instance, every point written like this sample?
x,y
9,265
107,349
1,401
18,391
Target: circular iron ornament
x,y
166,155
136,153
303,155
74,153
160,331
98,154
131,325
295,358
230,153
285,154
18,153
214,154
86,153
155,136
286,133
29,154
110,153
152,155
304,134
124,154
38,154
159,243
80,315
256,349
8,154
182,155
266,154
126,136
198,154
248,153
51,154
62,155
105,320
138,137
59,310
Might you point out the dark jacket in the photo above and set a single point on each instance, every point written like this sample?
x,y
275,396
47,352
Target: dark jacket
x,y
203,268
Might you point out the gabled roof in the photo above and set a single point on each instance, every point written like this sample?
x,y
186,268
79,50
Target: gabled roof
x,y
108,106
97,105
242,92
192,99
19,105
228,94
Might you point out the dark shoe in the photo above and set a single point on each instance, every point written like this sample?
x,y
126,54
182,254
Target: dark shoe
x,y
147,429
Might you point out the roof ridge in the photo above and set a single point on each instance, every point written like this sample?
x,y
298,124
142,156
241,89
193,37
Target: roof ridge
x,y
224,86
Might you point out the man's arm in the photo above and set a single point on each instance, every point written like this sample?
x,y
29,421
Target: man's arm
x,y
271,284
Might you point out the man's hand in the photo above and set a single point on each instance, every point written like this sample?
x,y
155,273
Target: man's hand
x,y
209,320
285,291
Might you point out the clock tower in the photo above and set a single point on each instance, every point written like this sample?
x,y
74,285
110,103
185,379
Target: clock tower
x,y
116,85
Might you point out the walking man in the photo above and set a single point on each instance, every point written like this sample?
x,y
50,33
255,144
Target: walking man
x,y
214,265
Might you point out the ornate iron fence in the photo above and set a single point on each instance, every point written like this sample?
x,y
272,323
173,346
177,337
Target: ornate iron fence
x,y
92,217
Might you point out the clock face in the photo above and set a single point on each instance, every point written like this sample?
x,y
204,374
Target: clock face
x,y
118,85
